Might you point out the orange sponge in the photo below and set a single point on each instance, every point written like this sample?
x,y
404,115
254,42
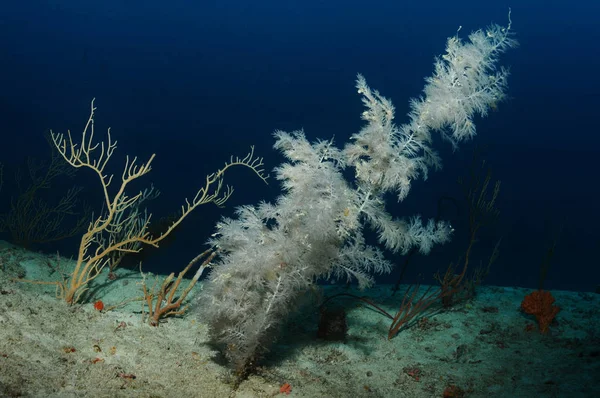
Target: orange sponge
x,y
540,303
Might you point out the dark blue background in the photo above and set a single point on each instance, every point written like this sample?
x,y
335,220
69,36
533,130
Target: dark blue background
x,y
197,81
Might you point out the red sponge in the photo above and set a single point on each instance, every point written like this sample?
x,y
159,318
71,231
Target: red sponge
x,y
540,303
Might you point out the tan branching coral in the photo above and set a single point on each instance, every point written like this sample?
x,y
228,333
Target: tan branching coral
x,y
108,233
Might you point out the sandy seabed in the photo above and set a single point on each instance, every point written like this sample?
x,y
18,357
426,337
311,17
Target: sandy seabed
x,y
480,348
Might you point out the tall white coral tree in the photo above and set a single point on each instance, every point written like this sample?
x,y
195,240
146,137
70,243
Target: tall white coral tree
x,y
273,252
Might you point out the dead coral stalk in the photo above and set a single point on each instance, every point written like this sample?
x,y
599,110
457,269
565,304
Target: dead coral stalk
x,y
166,304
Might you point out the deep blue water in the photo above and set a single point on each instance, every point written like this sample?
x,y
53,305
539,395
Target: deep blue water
x,y
197,81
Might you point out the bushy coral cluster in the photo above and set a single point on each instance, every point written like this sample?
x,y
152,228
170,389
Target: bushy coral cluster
x,y
272,254
541,304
